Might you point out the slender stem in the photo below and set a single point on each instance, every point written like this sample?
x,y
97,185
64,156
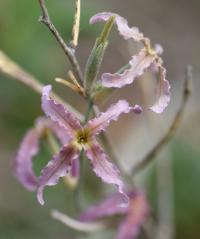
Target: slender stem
x,y
172,129
89,109
77,192
70,53
11,69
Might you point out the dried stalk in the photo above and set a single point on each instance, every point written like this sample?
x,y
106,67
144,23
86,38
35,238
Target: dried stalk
x,y
10,68
44,18
76,26
173,128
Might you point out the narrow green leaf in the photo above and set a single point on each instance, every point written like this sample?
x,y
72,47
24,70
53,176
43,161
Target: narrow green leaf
x,y
93,64
96,56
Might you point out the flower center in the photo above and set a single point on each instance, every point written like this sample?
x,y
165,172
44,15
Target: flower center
x,y
82,139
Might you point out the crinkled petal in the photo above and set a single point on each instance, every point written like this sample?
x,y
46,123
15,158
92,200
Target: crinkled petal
x,y
58,167
101,122
121,23
23,161
108,207
137,213
138,64
163,98
108,172
30,147
58,113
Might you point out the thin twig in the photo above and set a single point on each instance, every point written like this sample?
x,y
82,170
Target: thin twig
x,y
44,18
10,68
76,26
173,128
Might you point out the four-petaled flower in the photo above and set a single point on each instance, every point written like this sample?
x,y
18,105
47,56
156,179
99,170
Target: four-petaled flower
x,y
133,216
146,58
81,138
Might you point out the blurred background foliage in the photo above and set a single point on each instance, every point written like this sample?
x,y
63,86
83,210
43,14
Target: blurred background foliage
x,y
174,24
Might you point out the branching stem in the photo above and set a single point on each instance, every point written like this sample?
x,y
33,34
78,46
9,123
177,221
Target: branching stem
x,y
69,51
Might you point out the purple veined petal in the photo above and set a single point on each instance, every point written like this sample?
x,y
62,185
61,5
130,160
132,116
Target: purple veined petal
x,y
58,113
107,207
137,212
101,122
61,134
163,98
138,64
22,163
108,172
58,167
122,25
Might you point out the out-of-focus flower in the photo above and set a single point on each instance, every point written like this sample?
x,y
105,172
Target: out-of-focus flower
x,y
30,147
139,63
82,138
132,217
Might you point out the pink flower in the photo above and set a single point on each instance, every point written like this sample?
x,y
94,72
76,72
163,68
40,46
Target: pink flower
x,y
132,217
81,138
139,63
